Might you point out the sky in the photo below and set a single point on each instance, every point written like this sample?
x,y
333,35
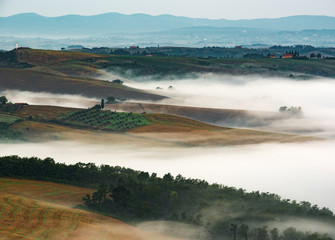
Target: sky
x,y
213,9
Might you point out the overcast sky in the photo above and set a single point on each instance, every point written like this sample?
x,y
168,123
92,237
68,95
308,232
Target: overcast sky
x,y
214,9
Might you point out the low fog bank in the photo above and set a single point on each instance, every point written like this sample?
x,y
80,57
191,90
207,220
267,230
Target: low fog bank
x,y
304,171
174,229
256,93
306,225
44,98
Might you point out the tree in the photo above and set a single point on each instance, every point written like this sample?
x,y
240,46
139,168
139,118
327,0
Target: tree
x,y
3,100
262,233
244,231
282,109
118,81
120,195
274,234
312,55
233,230
292,234
102,103
111,99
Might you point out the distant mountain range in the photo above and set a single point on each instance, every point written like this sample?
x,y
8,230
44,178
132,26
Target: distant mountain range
x,y
33,25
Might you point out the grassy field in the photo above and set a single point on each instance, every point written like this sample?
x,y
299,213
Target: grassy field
x,y
32,210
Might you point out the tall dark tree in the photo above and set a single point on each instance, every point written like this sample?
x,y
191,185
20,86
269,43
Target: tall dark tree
x,y
233,230
102,103
274,234
262,233
244,231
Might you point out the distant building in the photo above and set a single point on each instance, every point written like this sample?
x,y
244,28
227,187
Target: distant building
x,y
287,55
272,56
132,47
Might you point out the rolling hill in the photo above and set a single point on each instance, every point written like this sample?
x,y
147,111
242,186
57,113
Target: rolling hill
x,y
32,209
221,117
83,65
43,210
43,123
36,81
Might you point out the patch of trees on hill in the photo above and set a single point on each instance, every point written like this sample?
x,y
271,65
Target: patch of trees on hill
x,y
105,120
136,196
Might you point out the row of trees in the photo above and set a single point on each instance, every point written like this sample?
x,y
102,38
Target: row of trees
x,y
292,111
243,232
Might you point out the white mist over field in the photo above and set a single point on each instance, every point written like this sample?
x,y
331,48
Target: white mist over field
x,y
304,172
316,97
44,98
296,171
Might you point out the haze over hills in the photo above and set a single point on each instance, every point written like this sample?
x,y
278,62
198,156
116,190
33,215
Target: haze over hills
x,y
31,23
115,29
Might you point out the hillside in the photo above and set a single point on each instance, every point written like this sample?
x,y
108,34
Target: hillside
x,y
35,81
43,210
180,67
77,64
138,197
158,67
41,123
221,117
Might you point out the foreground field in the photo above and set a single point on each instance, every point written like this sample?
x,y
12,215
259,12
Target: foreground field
x,y
42,210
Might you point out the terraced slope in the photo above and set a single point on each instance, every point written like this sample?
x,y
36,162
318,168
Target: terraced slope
x,y
28,211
